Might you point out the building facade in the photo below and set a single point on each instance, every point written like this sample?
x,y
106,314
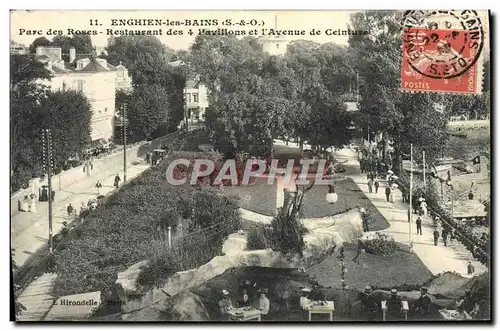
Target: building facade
x,y
92,76
123,80
196,99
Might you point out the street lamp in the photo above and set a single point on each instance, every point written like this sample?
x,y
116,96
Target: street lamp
x,y
331,196
185,111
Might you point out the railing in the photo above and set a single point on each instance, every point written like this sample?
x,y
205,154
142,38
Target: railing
x,y
476,246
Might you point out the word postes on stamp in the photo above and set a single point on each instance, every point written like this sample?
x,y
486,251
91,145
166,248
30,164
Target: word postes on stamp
x,y
442,51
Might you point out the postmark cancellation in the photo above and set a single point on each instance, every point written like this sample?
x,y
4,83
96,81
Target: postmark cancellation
x,y
443,51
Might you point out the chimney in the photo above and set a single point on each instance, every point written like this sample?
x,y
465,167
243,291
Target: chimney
x,y
72,54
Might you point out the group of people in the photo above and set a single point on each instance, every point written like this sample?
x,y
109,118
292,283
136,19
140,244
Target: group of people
x,y
248,298
28,204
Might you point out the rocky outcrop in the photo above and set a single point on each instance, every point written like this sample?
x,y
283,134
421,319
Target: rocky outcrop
x,y
449,285
324,235
132,296
185,306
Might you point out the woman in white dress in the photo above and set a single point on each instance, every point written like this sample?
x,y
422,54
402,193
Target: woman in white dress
x,y
25,204
33,203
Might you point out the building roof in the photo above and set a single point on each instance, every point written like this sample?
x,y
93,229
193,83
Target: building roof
x,y
95,66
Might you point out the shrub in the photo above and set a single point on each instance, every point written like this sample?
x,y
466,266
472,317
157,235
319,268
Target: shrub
x,y
124,230
259,238
287,231
380,244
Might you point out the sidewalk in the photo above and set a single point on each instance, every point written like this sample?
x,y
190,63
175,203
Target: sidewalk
x,y
438,259
30,231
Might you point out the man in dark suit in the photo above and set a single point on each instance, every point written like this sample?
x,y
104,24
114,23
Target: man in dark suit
x,y
423,306
436,236
419,225
370,306
394,306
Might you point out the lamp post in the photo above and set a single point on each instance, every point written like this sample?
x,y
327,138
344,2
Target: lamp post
x,y
48,164
124,127
410,239
186,124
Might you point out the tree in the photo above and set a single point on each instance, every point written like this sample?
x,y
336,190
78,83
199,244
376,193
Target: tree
x,y
27,94
146,59
121,98
81,43
403,117
40,41
148,110
68,115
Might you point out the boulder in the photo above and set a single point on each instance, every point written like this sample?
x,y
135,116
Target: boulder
x,y
127,280
449,285
131,295
185,306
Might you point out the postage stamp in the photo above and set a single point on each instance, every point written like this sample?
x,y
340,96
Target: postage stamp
x,y
442,51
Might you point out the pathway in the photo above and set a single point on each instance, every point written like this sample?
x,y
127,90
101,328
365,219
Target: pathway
x,y
438,259
36,298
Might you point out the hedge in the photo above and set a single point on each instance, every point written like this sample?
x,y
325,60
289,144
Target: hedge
x,y
125,230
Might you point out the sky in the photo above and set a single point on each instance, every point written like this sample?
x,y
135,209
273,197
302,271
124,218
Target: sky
x,y
43,20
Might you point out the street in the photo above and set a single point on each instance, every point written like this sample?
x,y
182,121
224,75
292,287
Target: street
x,y
30,231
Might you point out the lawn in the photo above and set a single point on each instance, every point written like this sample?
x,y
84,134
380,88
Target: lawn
x,y
401,268
261,198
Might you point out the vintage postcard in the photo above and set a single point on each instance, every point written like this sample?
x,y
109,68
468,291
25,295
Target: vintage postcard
x,y
250,166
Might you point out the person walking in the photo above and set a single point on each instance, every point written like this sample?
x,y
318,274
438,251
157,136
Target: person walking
x,y
470,268
419,225
436,236
117,181
98,185
370,185
444,234
32,203
376,184
387,193
25,204
70,209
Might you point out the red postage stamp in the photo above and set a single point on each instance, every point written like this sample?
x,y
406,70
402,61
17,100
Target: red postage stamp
x,y
442,52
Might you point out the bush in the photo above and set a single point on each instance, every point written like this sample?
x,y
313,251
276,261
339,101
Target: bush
x,y
381,244
287,231
259,238
124,230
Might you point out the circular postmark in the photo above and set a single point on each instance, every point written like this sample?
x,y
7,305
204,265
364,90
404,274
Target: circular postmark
x,y
442,44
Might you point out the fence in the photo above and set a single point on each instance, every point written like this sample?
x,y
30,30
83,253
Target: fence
x,y
478,249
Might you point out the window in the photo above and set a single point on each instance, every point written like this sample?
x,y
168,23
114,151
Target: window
x,y
64,87
195,97
277,45
188,97
106,109
79,85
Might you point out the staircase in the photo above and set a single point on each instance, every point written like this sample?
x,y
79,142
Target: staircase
x,y
36,298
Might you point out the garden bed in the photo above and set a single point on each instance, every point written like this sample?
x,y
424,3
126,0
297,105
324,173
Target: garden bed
x,y
402,269
261,198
